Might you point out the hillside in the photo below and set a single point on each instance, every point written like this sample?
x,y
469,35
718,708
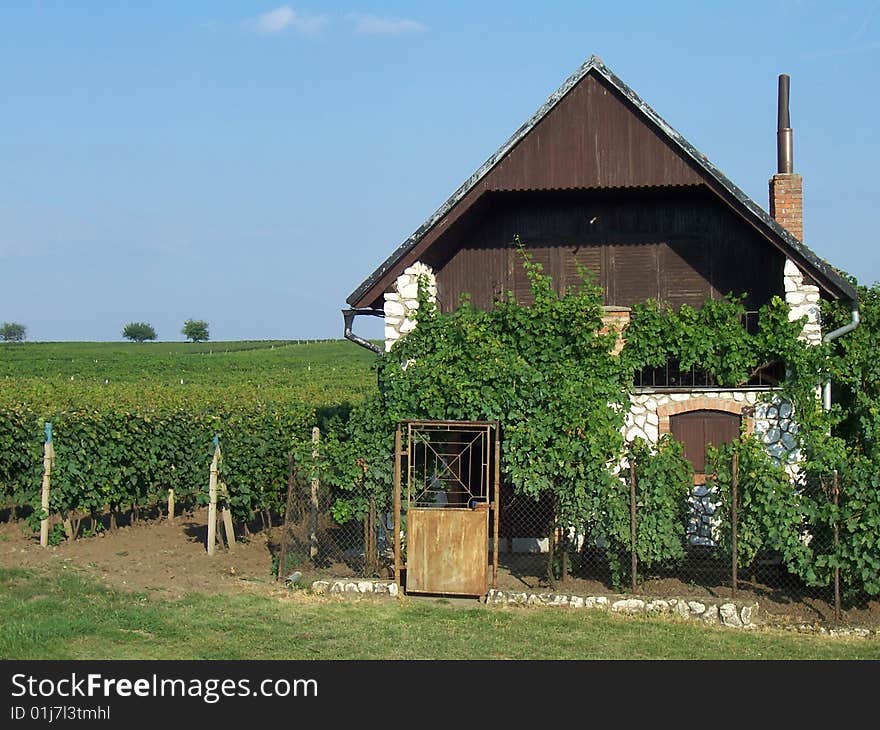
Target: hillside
x,y
79,374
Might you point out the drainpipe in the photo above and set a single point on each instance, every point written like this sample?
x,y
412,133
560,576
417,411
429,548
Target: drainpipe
x,y
348,316
849,327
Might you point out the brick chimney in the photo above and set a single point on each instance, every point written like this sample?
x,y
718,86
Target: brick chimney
x,y
786,188
786,202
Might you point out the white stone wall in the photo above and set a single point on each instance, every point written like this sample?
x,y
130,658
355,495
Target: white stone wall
x,y
401,303
772,417
803,300
771,422
643,420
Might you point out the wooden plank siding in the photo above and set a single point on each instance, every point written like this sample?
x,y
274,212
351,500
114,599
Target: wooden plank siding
x,y
673,245
591,139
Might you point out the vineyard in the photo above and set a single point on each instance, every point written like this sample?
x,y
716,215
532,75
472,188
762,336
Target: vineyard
x,y
131,421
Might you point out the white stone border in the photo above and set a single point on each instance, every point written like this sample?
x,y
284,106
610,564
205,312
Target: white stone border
x,y
725,614
729,614
359,587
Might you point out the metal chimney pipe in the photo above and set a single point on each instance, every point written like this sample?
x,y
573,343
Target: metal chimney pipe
x,y
784,143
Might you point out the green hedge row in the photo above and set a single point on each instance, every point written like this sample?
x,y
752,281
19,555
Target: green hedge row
x,y
113,459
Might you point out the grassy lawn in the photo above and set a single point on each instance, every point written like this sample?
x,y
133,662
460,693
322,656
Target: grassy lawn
x,y
62,615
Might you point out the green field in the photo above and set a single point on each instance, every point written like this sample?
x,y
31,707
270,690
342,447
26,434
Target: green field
x,y
60,615
75,374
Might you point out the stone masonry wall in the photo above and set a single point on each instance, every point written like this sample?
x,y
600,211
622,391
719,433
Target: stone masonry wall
x,y
804,300
401,303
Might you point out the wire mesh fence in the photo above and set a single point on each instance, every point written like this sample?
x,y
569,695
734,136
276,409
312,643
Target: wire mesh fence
x,y
536,551
314,543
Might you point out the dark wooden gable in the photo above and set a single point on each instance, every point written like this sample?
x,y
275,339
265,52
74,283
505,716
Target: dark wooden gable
x,y
590,139
596,134
677,245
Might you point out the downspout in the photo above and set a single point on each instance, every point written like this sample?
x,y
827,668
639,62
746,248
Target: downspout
x,y
348,316
849,327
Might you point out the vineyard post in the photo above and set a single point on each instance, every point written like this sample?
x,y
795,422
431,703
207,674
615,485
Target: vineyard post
x,y
313,500
171,504
48,458
212,498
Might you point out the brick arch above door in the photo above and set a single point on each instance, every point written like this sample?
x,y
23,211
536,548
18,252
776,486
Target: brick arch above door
x,y
704,403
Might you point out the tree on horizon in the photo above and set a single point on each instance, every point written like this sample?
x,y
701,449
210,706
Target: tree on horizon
x,y
196,330
139,331
13,332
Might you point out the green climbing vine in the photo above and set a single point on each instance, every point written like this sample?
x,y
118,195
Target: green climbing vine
x,y
548,373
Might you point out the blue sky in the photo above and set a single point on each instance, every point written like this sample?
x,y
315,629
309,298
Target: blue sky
x,y
250,163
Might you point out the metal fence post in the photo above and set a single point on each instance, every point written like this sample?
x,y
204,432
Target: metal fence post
x,y
397,458
497,515
734,486
836,494
634,567
313,498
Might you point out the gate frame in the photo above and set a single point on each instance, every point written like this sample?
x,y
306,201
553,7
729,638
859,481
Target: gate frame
x,y
400,453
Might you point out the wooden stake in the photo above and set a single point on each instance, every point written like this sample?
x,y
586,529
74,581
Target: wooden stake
x,y
313,501
225,514
227,527
48,459
171,504
219,533
212,499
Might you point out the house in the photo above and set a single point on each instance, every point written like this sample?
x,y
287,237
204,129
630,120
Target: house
x,y
597,178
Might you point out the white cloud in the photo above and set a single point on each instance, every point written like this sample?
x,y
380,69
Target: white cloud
x,y
377,25
286,18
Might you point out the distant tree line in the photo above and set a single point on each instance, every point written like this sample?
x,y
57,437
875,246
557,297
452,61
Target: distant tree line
x,y
195,330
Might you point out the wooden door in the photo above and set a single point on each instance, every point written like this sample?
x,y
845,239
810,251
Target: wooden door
x,y
697,429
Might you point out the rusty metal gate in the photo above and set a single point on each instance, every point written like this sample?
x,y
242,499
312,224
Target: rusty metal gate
x,y
446,477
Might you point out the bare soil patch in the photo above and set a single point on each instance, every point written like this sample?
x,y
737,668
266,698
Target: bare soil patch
x,y
161,558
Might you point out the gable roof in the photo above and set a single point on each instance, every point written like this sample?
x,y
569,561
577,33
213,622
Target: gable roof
x,y
695,168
